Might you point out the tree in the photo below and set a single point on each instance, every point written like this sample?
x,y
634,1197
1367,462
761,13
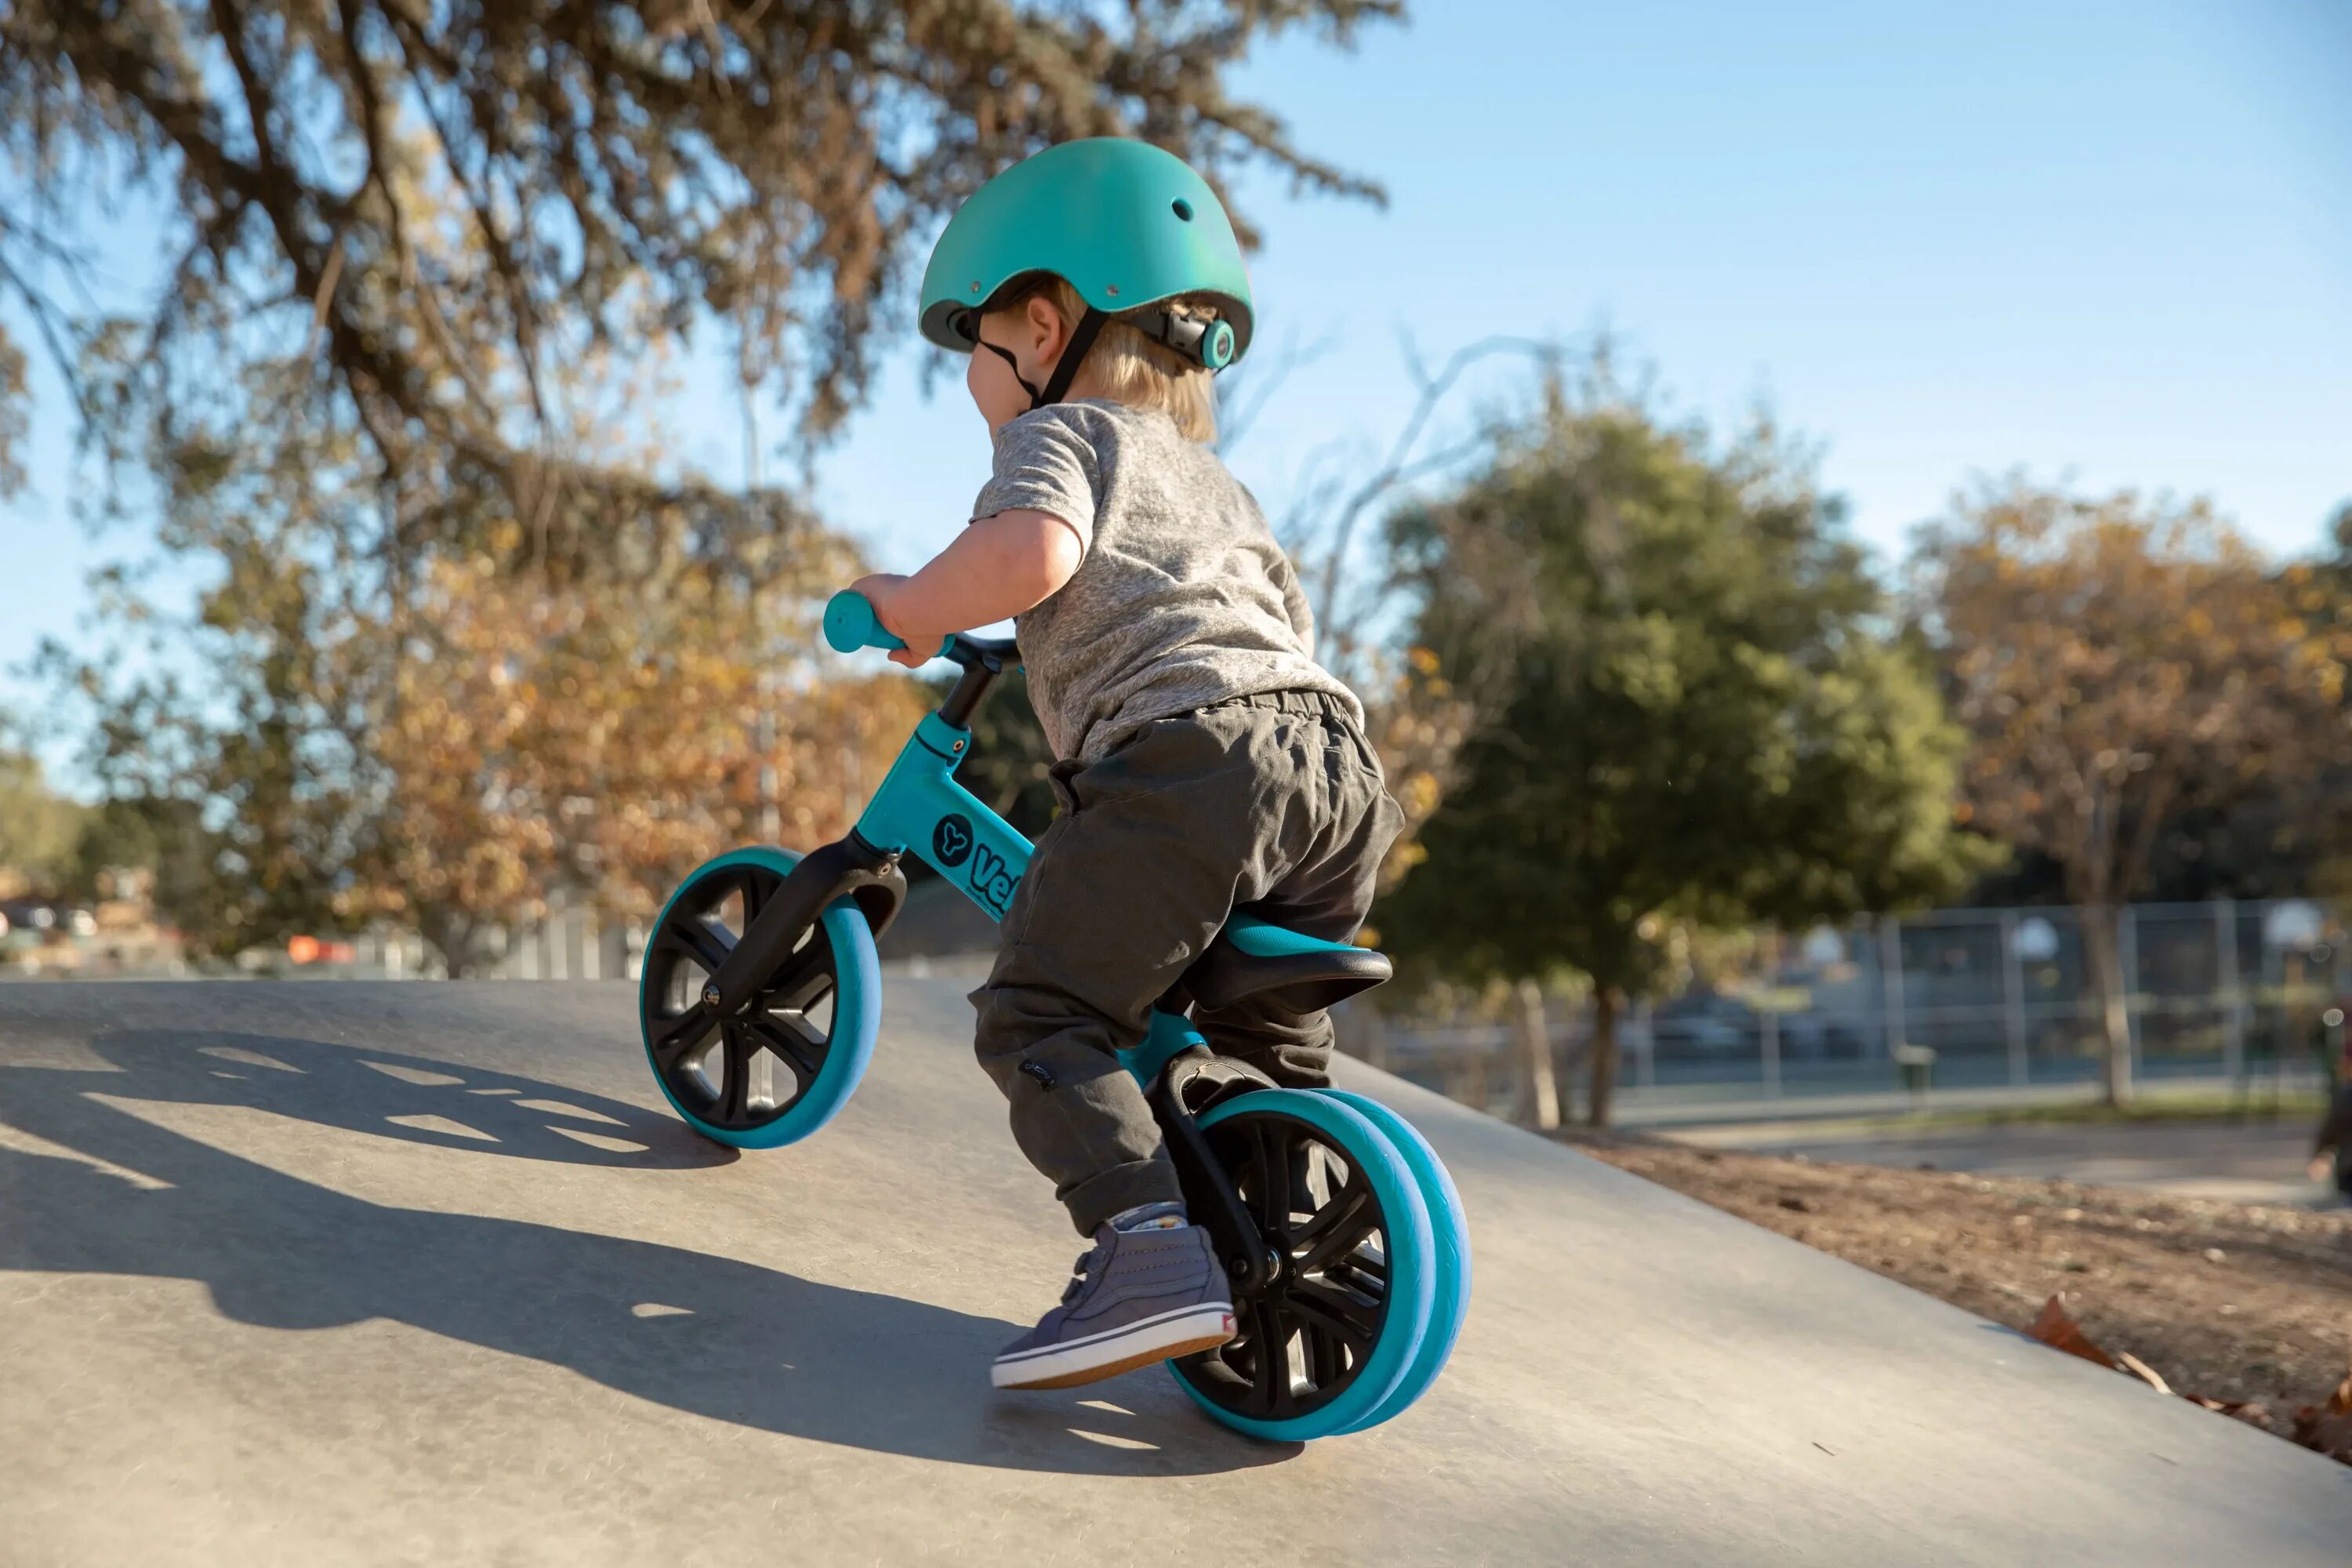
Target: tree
x,y
2117,662
450,758
1415,715
438,208
606,740
1690,708
39,829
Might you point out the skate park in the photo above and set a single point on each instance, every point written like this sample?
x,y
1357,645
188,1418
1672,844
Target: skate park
x,y
401,1273
1747,610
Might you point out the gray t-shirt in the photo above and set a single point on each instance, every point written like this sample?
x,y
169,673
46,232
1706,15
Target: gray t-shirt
x,y
1183,598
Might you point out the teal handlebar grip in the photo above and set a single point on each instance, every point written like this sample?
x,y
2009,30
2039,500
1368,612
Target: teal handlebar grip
x,y
850,624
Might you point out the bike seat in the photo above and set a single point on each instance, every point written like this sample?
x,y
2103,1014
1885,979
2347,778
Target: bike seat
x,y
1251,958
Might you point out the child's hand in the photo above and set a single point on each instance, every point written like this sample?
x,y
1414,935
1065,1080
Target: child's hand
x,y
2320,1168
883,591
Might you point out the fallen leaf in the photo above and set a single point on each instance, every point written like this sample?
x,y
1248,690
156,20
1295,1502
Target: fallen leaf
x,y
2330,1435
2328,1427
2252,1412
2055,1329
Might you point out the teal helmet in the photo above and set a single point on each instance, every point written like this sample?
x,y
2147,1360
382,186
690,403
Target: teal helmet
x,y
1126,224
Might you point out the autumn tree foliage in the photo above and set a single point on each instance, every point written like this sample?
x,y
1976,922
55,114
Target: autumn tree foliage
x,y
605,738
326,753
2116,660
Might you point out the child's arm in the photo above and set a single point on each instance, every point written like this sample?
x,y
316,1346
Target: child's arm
x,y
997,568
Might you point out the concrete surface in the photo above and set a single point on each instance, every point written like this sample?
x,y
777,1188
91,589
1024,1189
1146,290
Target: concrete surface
x,y
2252,1161
425,1273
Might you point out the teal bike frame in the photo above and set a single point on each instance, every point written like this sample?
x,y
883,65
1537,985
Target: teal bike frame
x,y
921,810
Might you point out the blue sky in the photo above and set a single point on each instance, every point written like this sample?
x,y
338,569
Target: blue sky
x,y
2109,241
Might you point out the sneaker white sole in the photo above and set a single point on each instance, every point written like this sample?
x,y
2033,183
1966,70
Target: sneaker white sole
x,y
1184,1331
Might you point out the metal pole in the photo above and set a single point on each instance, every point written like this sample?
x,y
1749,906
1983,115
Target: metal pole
x,y
2225,980
1890,968
2127,948
1771,1016
771,814
1646,1063
2012,977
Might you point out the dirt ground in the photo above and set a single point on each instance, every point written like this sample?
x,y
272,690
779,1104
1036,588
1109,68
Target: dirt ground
x,y
2256,1160
2234,1303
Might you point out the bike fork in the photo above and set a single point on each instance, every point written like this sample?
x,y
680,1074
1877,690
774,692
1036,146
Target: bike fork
x,y
1210,1198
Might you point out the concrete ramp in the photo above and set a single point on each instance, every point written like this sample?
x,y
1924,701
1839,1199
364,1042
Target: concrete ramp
x,y
300,1274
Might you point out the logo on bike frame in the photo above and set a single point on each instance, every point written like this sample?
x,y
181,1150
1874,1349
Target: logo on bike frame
x,y
992,879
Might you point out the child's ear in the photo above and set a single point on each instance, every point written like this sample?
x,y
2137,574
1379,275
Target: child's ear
x,y
1047,331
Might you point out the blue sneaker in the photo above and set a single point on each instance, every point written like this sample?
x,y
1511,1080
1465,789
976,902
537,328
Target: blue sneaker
x,y
1148,1293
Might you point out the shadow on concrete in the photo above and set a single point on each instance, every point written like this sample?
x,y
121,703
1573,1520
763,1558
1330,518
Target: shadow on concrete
x,y
708,1335
390,1095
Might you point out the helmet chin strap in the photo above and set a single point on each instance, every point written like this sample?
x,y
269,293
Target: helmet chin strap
x,y
1066,369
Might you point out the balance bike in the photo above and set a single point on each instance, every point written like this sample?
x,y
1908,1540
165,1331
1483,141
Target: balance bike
x,y
1339,1226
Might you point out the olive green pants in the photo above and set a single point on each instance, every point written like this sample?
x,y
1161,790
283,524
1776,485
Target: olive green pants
x,y
1274,802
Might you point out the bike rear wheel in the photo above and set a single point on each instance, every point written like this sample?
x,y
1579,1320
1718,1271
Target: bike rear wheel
x,y
1449,1229
1323,1346
774,1074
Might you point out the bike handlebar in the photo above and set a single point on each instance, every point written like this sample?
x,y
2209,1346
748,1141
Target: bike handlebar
x,y
850,624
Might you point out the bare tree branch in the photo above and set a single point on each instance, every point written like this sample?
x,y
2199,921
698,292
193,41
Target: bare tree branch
x,y
1239,408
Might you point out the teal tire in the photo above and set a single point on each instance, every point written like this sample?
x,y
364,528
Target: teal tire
x,y
1449,1303
1321,1349
813,1023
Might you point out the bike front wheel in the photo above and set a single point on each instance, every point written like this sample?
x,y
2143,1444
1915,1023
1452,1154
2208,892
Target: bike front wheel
x,y
779,1071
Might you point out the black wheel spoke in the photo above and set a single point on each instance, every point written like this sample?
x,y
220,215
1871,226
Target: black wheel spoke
x,y
1338,1229
704,942
1335,1313
1326,1351
1358,1276
1270,1386
1273,1182
679,1036
735,1094
802,979
791,1040
754,885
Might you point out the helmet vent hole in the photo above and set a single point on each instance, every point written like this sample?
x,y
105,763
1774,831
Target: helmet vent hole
x,y
1181,208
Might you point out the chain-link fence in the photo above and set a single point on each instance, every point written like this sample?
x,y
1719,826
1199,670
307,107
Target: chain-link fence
x,y
1998,1003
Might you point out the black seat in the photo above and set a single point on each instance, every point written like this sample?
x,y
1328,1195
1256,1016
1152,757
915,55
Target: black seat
x,y
1297,983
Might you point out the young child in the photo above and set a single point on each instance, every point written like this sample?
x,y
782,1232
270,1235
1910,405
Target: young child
x,y
1206,760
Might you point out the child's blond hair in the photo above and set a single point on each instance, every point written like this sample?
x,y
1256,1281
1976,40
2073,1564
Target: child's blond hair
x,y
1127,367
